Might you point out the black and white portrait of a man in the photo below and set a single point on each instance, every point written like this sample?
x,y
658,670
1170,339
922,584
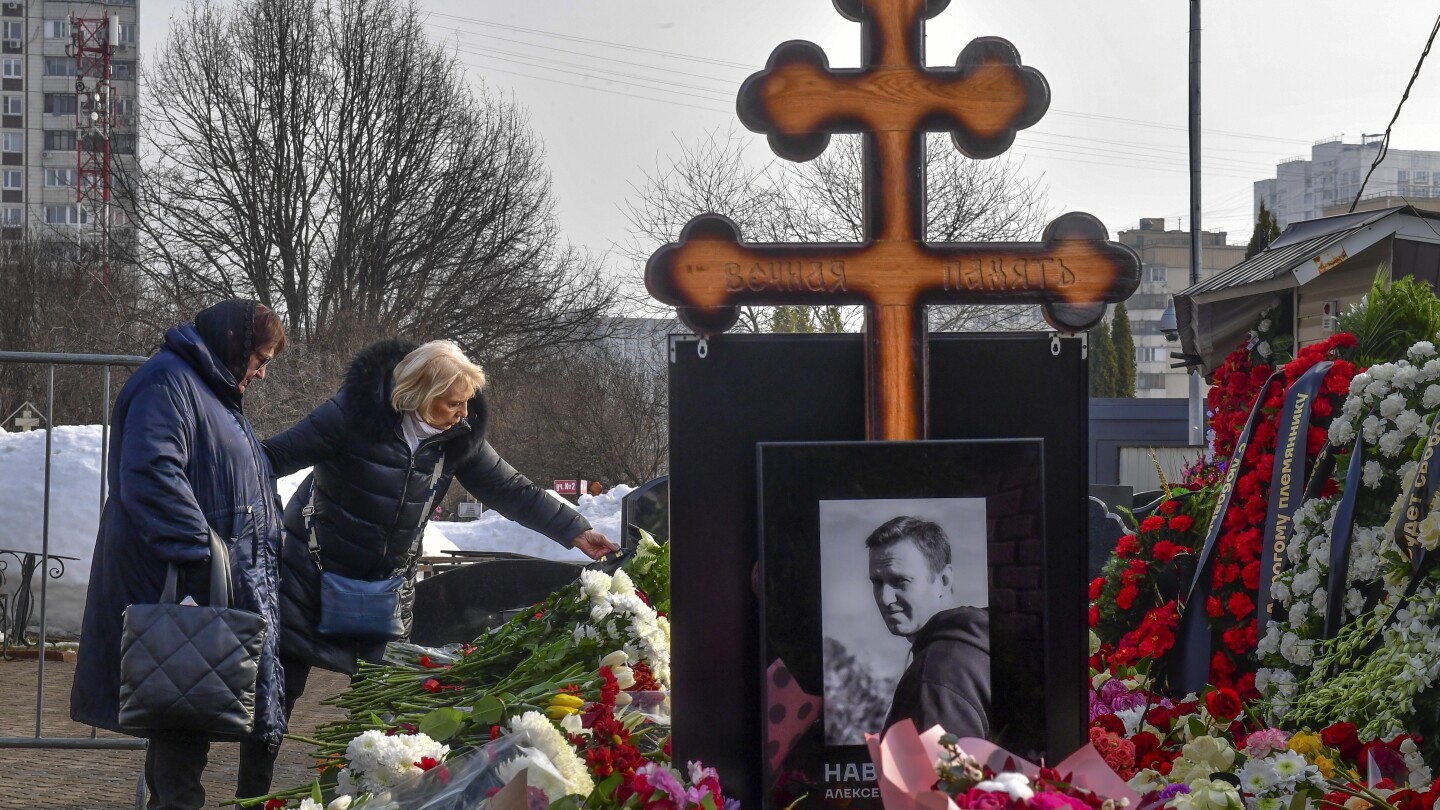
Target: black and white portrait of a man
x,y
905,596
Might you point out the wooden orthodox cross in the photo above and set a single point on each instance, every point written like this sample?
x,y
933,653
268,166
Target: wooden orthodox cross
x,y
893,99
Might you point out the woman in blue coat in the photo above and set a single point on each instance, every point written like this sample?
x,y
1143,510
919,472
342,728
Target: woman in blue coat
x,y
184,461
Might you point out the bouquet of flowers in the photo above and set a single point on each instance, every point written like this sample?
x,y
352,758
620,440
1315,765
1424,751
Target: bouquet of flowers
x,y
573,694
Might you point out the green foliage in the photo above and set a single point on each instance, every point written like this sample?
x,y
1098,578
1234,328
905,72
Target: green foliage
x,y
650,571
1266,230
1104,371
1124,343
1390,319
806,319
791,319
827,319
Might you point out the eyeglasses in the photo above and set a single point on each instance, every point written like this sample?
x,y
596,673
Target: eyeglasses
x,y
264,360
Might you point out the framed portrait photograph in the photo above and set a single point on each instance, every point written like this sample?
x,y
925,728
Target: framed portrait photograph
x,y
898,580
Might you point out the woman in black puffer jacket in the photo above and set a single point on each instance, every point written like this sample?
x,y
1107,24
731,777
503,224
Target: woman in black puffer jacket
x,y
407,421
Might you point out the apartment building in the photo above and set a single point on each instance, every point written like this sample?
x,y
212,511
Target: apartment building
x,y
41,105
1165,270
1304,188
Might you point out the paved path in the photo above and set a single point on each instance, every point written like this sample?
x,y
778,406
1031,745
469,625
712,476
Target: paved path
x,y
105,780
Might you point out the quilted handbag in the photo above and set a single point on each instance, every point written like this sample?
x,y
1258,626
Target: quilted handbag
x,y
191,667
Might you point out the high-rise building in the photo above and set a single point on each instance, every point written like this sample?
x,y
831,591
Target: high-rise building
x,y
1164,271
1303,188
49,80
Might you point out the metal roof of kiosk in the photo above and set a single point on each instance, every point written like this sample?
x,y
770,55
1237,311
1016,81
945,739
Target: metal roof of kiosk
x,y
1216,314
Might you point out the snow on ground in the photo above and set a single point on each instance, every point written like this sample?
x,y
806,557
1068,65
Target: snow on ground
x,y
75,516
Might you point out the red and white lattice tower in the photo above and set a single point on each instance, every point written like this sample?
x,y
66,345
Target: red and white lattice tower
x,y
93,41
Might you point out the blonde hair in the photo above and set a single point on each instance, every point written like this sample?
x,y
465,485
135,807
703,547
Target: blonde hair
x,y
428,372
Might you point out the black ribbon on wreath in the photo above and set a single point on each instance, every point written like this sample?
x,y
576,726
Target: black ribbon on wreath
x,y
1190,661
1341,534
1288,474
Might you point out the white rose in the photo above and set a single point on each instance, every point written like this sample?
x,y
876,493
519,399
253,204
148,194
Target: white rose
x,y
1264,325
1263,348
1430,531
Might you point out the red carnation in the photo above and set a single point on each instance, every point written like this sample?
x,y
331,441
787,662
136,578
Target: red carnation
x,y
1094,615
1165,551
1127,546
1241,605
274,804
1169,507
426,763
1214,607
1097,586
1126,598
1154,523
1181,523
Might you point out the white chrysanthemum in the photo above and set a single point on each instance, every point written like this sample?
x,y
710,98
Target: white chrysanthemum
x,y
533,730
585,631
594,584
622,584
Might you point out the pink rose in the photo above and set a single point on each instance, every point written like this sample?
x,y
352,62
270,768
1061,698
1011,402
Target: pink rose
x,y
985,800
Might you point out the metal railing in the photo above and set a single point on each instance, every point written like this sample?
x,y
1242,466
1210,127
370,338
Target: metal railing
x,y
51,360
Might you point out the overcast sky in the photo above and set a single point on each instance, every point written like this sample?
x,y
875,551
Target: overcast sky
x,y
614,85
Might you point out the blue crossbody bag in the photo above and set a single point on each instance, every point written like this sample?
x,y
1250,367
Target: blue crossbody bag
x,y
361,608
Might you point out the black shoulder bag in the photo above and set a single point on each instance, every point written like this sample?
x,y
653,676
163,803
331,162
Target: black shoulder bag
x,y
191,667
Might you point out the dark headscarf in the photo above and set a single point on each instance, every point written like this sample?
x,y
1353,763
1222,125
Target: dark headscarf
x,y
228,328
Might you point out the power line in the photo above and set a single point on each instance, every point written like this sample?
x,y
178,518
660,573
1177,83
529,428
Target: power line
x,y
573,52
752,68
1385,141
571,38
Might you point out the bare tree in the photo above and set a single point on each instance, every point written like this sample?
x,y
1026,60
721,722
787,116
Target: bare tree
x,y
597,413
329,160
820,201
52,300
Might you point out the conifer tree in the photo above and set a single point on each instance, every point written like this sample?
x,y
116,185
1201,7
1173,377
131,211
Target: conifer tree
x,y
1266,230
1124,343
1102,362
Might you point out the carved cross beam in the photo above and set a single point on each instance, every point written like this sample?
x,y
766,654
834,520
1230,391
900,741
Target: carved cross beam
x,y
893,99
